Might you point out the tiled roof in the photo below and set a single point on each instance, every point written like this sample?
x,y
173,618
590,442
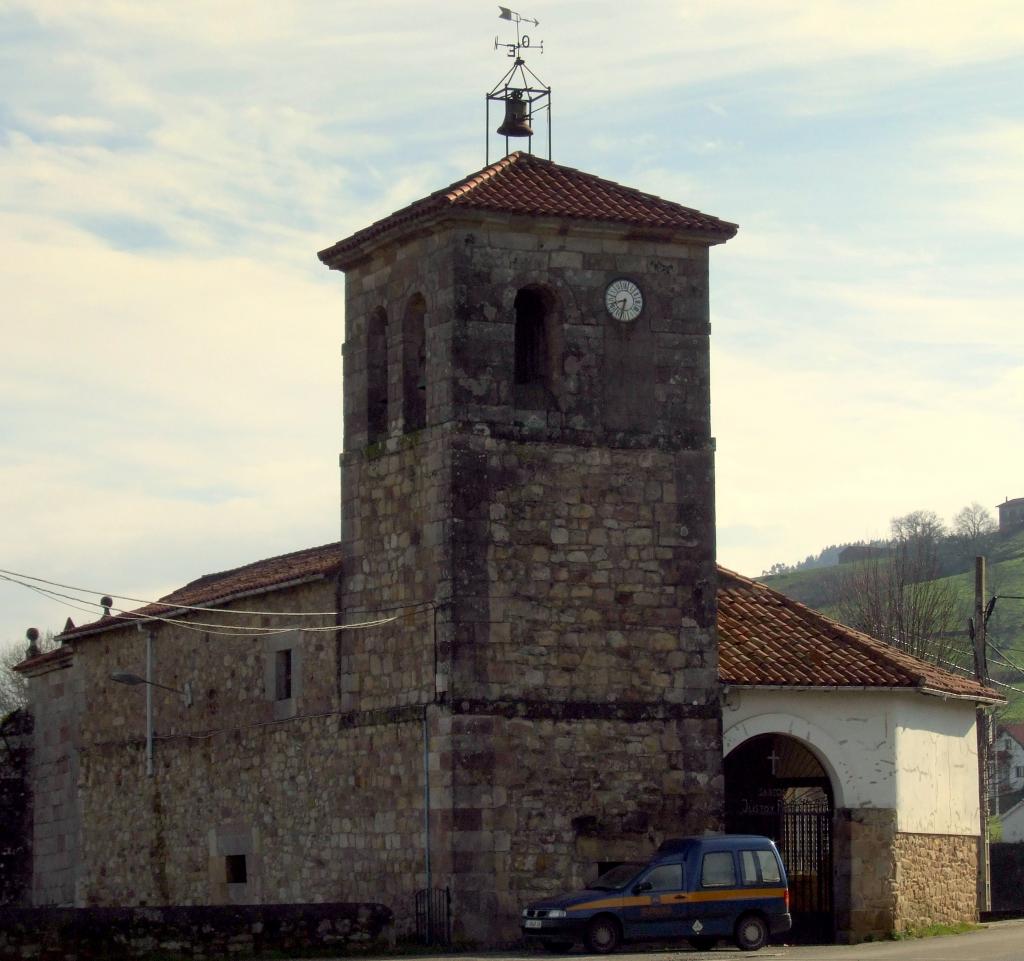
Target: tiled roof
x,y
765,638
522,183
210,589
1016,731
768,639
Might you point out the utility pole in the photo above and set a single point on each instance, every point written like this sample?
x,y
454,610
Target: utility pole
x,y
981,673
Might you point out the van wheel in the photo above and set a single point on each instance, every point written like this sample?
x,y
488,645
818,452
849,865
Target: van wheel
x,y
751,932
603,934
702,942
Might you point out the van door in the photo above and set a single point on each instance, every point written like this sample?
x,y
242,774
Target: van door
x,y
713,904
664,909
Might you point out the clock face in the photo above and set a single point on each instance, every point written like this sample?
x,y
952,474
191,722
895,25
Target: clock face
x,y
623,300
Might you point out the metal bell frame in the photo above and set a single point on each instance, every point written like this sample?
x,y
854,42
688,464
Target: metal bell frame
x,y
519,88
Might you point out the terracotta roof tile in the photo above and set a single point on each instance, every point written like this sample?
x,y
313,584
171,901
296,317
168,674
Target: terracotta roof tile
x,y
212,588
766,638
522,183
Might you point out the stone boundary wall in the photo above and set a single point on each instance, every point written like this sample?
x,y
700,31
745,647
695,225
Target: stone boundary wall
x,y
936,879
84,934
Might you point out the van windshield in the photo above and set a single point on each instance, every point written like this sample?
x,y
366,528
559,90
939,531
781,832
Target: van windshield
x,y
617,877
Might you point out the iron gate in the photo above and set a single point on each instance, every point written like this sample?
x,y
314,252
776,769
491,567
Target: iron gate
x,y
805,843
802,831
434,916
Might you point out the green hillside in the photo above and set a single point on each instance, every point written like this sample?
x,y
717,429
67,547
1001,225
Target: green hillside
x,y
818,588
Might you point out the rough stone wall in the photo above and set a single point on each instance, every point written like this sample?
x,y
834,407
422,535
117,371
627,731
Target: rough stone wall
x,y
206,932
322,809
865,873
56,698
597,571
538,802
227,672
936,879
322,802
888,880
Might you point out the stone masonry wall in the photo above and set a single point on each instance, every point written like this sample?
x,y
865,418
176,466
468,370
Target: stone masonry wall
x,y
894,881
321,810
539,802
56,697
321,801
936,880
597,570
865,873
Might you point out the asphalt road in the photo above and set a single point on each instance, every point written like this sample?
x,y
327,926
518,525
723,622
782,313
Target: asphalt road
x,y
997,941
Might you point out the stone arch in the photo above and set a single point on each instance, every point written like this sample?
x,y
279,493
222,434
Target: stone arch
x,y
377,376
414,363
780,783
827,750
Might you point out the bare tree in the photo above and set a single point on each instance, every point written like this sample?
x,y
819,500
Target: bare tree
x,y
899,598
973,529
14,686
918,526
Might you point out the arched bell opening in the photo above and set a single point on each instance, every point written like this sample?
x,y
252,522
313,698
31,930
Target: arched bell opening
x,y
777,787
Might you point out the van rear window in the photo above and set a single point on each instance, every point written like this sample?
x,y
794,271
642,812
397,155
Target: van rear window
x,y
769,867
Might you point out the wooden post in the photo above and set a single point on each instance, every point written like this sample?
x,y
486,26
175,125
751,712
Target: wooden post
x,y
981,673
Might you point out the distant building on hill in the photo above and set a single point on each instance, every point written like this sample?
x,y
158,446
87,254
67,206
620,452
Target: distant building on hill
x,y
862,552
1011,515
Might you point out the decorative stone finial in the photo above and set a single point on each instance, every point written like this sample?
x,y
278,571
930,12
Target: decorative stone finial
x,y
106,603
33,647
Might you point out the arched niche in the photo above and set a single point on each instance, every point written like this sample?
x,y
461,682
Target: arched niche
x,y
537,347
377,376
414,364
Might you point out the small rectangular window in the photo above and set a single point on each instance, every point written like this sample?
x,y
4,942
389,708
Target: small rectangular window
x,y
769,867
1018,771
283,675
718,870
236,871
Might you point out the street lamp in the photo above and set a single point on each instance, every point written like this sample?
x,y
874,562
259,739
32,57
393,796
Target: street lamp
x,y
123,677
132,679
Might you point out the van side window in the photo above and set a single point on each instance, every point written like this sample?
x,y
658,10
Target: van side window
x,y
718,870
769,867
666,877
748,867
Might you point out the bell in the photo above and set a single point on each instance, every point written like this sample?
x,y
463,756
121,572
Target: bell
x,y
516,123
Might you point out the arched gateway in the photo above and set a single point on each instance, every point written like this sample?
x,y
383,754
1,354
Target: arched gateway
x,y
775,786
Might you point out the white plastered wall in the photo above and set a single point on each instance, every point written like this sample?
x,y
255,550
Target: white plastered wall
x,y
910,752
937,759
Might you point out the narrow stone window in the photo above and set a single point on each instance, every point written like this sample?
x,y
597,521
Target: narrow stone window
x,y
235,869
283,675
414,364
531,347
377,377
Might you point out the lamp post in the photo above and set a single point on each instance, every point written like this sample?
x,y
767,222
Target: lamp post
x,y
123,677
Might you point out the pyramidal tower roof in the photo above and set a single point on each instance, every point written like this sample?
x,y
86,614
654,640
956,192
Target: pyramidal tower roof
x,y
530,186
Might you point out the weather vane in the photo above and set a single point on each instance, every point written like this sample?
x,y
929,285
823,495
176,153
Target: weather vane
x,y
522,93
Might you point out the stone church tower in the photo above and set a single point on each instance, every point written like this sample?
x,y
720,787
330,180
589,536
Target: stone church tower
x,y
528,487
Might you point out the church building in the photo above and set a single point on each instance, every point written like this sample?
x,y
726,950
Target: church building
x,y
506,674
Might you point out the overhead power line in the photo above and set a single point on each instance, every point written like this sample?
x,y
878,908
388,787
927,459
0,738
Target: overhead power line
x,y
201,627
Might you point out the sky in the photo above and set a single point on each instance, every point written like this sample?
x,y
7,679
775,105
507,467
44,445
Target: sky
x,y
170,377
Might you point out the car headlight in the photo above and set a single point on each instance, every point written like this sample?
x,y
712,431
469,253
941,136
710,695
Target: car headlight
x,y
556,913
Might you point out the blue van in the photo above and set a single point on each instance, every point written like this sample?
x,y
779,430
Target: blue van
x,y
702,889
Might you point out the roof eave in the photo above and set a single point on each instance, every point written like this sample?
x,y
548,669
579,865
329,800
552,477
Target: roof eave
x,y
991,698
